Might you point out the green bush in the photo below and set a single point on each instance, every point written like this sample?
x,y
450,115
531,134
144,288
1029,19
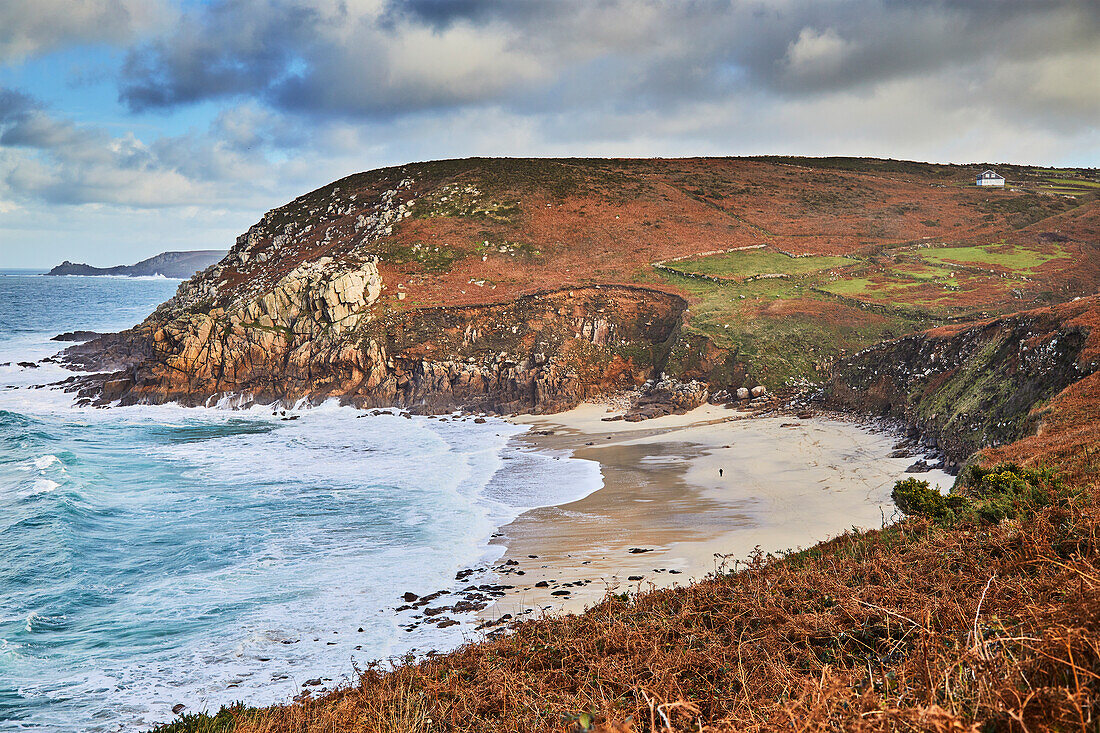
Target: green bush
x,y
990,494
1007,490
224,721
915,499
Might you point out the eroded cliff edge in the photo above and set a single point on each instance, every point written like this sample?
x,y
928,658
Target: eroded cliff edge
x,y
974,386
316,337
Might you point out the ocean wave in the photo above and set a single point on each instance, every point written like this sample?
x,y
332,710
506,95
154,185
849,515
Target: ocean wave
x,y
38,623
44,462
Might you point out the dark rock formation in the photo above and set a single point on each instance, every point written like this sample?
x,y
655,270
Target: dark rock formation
x,y
77,336
966,388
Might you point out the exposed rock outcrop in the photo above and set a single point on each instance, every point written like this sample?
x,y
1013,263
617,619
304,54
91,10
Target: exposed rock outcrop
x,y
316,336
966,388
668,397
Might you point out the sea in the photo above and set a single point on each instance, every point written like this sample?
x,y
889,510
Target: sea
x,y
157,556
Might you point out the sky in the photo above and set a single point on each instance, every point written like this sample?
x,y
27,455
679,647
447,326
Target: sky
x,y
132,127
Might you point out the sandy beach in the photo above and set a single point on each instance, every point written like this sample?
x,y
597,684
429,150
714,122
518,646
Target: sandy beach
x,y
686,495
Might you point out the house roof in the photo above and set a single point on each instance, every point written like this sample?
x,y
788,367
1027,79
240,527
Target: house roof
x,y
992,173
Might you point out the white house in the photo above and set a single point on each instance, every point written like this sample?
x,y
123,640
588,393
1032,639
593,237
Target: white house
x,y
989,178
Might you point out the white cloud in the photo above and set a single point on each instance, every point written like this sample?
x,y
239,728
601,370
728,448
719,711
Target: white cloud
x,y
817,52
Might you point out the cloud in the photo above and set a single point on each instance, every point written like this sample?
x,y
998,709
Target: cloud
x,y
39,26
54,160
285,95
371,60
815,52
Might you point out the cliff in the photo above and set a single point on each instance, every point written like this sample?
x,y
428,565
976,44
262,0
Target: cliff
x,y
168,264
971,387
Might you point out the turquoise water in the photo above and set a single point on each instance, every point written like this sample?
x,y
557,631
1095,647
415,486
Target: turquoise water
x,y
151,556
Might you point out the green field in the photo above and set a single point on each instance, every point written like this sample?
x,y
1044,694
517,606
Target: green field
x,y
751,263
1074,182
911,289
786,343
1007,256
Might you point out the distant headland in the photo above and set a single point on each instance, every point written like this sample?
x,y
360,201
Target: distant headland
x,y
168,264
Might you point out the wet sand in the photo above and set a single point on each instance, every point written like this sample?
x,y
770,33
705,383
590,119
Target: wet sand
x,y
785,483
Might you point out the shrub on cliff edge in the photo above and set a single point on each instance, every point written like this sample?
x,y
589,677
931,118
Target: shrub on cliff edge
x,y
915,499
1008,490
991,494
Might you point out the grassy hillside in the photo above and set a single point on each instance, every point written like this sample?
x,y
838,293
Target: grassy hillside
x,y
836,253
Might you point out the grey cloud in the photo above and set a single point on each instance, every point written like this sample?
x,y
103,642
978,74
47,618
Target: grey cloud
x,y
38,26
230,48
15,106
54,160
328,58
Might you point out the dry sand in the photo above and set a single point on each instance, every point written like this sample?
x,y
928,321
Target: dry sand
x,y
786,483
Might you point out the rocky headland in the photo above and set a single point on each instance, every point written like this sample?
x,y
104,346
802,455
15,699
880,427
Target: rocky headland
x,y
166,264
530,286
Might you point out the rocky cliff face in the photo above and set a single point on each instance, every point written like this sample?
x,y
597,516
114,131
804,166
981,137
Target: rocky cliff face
x,y
322,333
971,387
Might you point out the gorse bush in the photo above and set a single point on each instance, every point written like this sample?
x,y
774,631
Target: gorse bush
x,y
991,494
1007,490
224,721
916,499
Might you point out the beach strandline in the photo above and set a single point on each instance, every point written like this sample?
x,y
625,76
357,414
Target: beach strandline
x,y
687,495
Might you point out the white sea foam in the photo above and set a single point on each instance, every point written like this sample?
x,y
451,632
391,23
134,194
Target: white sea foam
x,y
44,462
43,486
133,278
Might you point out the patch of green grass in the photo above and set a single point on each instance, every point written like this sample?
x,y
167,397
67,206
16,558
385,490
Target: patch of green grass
x,y
1008,256
851,286
431,257
750,263
1074,182
794,343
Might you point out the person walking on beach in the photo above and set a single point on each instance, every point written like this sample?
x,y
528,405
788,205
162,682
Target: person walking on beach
x,y
719,473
